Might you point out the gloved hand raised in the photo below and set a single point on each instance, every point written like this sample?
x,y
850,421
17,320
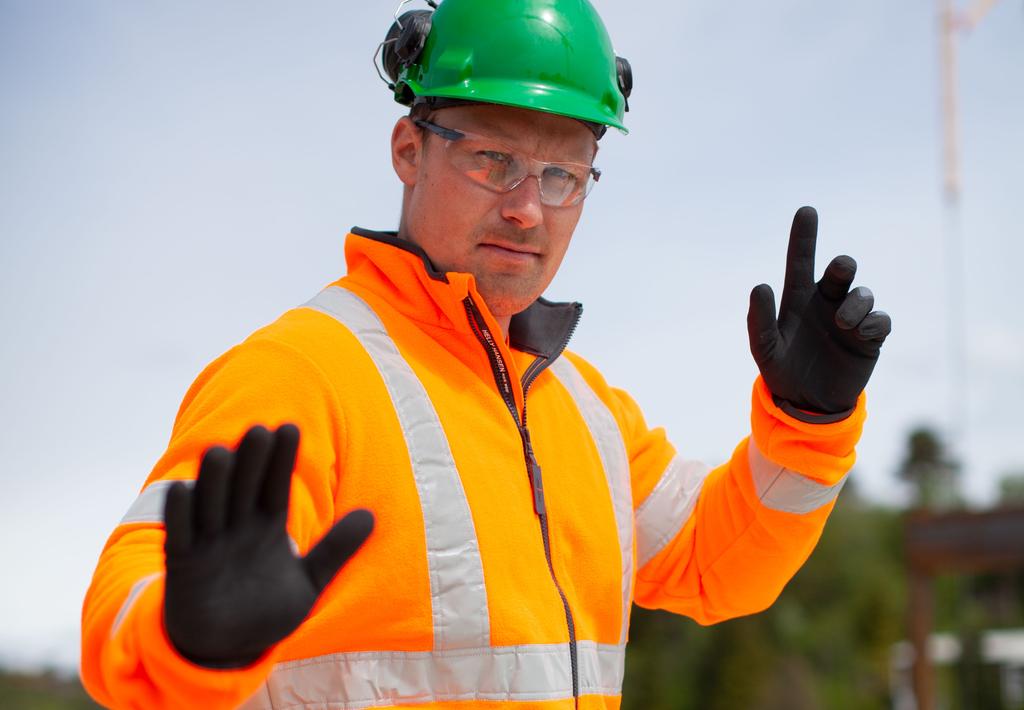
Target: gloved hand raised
x,y
820,352
234,587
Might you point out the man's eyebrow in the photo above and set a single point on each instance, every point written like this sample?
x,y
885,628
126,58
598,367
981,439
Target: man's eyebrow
x,y
511,137
493,131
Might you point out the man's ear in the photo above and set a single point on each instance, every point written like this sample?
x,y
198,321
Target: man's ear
x,y
406,150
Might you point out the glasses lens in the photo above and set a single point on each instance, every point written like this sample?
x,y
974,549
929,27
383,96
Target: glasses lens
x,y
487,163
564,185
499,168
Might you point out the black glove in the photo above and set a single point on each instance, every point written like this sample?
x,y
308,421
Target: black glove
x,y
820,353
234,587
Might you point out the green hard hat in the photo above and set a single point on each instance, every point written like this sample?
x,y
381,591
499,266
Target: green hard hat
x,y
545,55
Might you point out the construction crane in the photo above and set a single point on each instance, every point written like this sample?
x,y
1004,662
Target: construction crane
x,y
951,24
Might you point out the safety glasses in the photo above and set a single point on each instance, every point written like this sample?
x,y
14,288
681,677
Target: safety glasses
x,y
501,168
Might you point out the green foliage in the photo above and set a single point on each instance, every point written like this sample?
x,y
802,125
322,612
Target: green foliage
x,y
46,691
824,644
1011,488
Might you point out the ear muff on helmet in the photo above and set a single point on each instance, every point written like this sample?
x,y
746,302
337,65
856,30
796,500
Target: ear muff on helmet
x,y
403,46
624,74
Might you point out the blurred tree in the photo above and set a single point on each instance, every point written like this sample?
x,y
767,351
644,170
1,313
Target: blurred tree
x,y
930,470
1011,488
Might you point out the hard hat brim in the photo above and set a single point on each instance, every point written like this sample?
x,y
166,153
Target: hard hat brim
x,y
535,97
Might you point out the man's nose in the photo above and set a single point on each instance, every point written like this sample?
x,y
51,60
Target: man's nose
x,y
522,204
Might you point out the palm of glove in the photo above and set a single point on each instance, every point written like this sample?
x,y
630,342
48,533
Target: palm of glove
x,y
234,587
820,353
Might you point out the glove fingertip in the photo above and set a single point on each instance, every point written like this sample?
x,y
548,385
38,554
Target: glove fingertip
x,y
762,304
277,484
864,293
349,533
876,325
838,276
844,265
762,326
361,522
289,430
178,518
338,545
806,214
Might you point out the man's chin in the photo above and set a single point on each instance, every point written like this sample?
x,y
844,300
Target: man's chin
x,y
503,305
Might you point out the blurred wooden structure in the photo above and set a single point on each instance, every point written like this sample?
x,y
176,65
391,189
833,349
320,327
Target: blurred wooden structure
x,y
955,542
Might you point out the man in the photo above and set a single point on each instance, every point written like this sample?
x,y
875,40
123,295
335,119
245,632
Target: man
x,y
520,505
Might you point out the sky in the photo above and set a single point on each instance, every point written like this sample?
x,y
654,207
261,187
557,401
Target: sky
x,y
173,176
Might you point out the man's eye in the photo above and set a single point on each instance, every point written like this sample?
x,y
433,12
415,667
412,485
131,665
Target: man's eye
x,y
494,156
561,175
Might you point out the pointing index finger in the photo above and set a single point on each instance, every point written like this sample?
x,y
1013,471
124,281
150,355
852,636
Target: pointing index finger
x,y
803,238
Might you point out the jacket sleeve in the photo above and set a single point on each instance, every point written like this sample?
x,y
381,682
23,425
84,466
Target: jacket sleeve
x,y
127,660
714,544
720,543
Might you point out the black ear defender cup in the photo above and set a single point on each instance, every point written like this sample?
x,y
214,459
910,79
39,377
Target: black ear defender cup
x,y
624,73
403,46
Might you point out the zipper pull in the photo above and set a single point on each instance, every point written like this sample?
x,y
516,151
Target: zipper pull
x,y
536,479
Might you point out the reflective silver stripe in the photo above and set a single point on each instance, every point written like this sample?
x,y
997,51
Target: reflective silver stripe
x,y
350,681
666,509
457,594
126,605
600,667
610,446
779,488
149,506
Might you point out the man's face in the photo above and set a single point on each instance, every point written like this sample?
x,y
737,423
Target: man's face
x,y
509,241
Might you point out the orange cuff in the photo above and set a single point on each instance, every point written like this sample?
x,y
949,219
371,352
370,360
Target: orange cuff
x,y
823,452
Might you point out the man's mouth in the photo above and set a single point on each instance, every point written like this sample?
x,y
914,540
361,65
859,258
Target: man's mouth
x,y
511,248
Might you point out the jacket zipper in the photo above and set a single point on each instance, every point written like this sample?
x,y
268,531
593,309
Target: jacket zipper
x,y
533,470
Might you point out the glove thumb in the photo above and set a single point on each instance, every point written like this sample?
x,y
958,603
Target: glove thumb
x,y
337,546
762,328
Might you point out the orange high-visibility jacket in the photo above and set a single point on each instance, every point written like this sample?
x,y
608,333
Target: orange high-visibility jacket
x,y
522,506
